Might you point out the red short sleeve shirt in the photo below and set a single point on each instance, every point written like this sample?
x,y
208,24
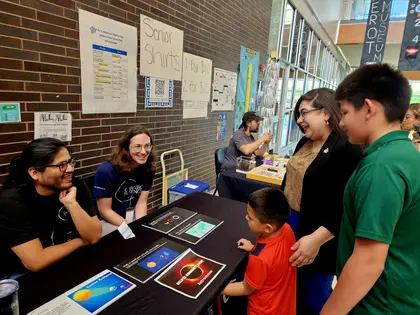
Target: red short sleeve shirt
x,y
271,274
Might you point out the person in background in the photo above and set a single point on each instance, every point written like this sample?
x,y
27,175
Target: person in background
x,y
416,136
270,280
122,184
45,212
379,248
411,118
314,183
243,143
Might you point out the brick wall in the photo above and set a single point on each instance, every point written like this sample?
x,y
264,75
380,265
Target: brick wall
x,y
40,68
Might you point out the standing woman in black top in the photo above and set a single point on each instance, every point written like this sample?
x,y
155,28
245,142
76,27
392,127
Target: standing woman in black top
x,y
314,185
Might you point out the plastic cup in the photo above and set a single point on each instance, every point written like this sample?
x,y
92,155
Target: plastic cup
x,y
9,303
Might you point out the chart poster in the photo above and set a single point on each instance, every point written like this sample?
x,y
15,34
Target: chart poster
x,y
221,127
169,220
159,93
224,90
151,260
409,55
247,83
108,54
161,48
196,78
90,297
194,109
196,228
190,274
9,112
52,125
376,32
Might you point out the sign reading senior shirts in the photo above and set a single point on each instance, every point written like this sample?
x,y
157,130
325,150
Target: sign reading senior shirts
x,y
196,78
161,49
108,55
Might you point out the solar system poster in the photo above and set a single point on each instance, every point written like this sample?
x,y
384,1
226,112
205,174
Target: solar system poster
x,y
196,228
151,260
190,274
169,220
90,297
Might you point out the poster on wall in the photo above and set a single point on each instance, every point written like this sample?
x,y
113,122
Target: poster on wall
x,y
409,55
9,112
158,92
221,127
194,109
224,90
247,83
161,48
196,78
52,125
108,55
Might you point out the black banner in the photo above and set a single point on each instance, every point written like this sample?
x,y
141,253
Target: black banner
x,y
409,56
376,31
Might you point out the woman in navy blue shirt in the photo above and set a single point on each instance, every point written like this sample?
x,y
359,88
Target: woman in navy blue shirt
x,y
122,183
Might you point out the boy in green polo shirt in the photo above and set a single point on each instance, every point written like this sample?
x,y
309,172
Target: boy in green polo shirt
x,y
379,244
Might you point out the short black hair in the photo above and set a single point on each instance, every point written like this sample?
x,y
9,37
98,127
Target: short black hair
x,y
270,206
381,83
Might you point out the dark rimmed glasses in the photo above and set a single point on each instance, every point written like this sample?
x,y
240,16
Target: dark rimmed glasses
x,y
63,165
303,113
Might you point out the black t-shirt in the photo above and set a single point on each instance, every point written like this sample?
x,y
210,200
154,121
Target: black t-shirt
x,y
25,215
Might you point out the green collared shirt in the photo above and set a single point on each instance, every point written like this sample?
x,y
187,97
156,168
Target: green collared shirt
x,y
382,203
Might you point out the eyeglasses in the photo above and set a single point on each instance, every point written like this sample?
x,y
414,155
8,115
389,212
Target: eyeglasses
x,y
63,165
306,112
138,148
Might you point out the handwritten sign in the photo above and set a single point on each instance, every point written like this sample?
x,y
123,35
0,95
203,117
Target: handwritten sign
x,y
196,78
161,49
53,125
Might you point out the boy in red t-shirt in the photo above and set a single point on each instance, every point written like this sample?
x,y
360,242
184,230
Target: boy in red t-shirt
x,y
270,279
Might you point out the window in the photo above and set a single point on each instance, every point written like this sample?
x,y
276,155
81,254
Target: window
x,y
307,63
304,47
295,38
360,9
290,85
288,21
309,83
314,51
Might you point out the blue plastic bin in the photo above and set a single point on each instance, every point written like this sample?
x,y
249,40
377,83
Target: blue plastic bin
x,y
186,187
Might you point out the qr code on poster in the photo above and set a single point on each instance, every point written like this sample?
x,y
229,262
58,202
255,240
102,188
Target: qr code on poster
x,y
159,87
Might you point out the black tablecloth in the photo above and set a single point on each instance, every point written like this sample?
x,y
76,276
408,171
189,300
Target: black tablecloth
x,y
151,298
236,186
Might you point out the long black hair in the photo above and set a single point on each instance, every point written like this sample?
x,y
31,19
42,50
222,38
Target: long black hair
x,y
37,154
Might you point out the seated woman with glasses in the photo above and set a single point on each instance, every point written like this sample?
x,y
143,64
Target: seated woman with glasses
x,y
122,183
314,184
